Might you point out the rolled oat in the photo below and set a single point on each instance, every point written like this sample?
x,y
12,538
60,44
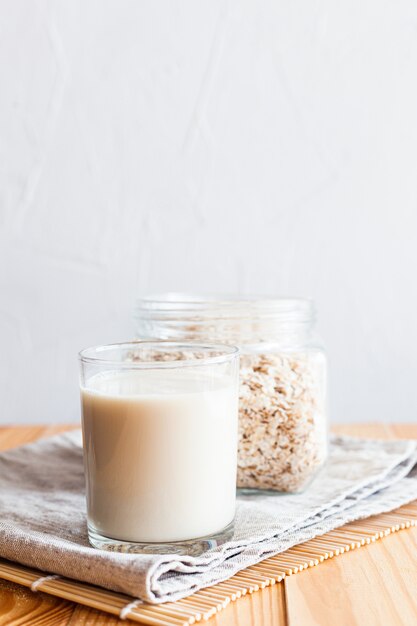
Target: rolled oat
x,y
282,431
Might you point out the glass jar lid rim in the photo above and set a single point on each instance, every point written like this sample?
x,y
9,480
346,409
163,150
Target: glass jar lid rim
x,y
225,306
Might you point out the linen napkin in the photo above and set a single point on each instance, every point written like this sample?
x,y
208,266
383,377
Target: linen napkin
x,y
43,518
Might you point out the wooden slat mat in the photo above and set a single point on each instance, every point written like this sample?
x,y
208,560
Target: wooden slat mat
x,y
205,603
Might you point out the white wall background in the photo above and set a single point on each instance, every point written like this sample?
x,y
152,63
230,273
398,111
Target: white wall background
x,y
244,146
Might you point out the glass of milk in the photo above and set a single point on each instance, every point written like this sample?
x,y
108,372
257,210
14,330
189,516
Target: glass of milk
x,y
160,423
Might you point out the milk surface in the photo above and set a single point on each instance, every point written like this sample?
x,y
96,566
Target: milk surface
x,y
160,454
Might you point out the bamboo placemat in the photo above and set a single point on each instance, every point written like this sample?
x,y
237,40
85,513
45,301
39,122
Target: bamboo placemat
x,y
206,602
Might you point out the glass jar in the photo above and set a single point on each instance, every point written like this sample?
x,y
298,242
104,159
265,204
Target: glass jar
x,y
282,404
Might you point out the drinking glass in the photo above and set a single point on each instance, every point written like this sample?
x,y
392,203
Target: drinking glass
x,y
160,422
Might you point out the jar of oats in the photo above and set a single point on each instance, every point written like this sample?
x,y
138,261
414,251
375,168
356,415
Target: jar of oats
x,y
282,410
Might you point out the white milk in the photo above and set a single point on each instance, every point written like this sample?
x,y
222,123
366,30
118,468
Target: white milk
x,y
160,454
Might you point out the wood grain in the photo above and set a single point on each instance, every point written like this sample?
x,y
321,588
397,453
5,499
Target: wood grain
x,y
374,585
12,436
19,607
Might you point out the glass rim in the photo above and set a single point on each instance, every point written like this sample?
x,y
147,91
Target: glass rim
x,y
92,354
233,307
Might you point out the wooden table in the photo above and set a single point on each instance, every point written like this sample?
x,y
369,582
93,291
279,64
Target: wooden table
x,y
373,586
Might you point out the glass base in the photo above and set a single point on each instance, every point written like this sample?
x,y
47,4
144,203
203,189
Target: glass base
x,y
251,493
192,547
